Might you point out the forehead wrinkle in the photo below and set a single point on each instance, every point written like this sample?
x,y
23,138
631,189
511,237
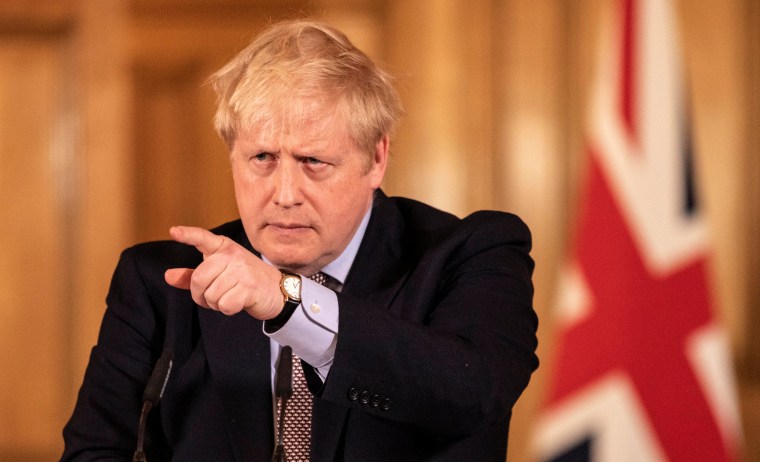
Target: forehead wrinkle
x,y
303,131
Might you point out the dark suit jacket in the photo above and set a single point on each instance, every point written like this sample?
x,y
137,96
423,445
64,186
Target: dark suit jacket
x,y
436,343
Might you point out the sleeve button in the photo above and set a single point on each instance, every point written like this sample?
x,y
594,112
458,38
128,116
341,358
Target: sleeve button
x,y
385,404
375,400
364,397
353,394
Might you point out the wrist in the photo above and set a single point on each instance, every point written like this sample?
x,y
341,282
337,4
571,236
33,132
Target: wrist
x,y
274,324
290,288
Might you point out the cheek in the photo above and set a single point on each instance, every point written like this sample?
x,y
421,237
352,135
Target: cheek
x,y
238,179
241,188
344,206
246,193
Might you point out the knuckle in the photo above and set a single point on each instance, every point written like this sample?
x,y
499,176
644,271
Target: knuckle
x,y
200,300
228,309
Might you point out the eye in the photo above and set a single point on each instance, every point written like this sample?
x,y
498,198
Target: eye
x,y
312,161
262,157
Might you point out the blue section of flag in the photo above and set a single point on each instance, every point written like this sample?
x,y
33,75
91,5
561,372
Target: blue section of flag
x,y
581,452
691,205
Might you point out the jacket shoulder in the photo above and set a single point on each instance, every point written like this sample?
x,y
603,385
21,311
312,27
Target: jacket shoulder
x,y
483,225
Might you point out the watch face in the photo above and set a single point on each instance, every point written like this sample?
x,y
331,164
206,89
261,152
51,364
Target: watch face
x,y
292,285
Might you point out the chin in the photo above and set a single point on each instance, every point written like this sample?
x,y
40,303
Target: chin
x,y
292,254
291,261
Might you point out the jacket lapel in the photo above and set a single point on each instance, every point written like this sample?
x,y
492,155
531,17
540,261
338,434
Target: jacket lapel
x,y
239,363
380,269
377,273
238,356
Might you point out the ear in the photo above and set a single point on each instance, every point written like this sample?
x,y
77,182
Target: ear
x,y
379,161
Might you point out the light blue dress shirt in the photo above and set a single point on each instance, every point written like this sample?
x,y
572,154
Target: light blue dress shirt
x,y
312,330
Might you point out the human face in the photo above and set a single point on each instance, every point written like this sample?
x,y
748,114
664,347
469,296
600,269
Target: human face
x,y
302,191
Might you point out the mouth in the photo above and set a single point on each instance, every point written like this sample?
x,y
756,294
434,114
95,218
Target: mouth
x,y
287,225
288,229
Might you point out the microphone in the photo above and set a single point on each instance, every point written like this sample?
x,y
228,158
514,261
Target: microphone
x,y
154,390
283,389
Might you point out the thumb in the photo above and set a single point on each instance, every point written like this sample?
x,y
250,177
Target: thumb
x,y
179,277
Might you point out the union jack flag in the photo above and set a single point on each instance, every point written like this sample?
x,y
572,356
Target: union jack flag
x,y
642,370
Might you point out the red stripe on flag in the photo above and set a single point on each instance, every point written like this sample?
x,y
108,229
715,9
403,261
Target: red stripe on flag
x,y
633,345
638,324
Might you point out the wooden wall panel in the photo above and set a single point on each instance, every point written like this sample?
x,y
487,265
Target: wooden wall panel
x,y
538,151
441,51
106,139
174,170
181,167
749,359
100,217
33,245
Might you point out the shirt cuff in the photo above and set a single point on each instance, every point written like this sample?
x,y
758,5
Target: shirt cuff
x,y
313,328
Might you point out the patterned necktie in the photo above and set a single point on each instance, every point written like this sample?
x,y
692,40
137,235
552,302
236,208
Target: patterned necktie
x,y
327,281
297,426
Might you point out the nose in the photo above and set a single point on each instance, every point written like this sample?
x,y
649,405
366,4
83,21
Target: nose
x,y
287,184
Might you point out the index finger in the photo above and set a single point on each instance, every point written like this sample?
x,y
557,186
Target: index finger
x,y
203,240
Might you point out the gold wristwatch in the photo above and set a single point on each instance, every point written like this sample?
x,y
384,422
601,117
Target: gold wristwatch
x,y
290,286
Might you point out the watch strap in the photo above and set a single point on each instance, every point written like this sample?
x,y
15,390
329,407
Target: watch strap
x,y
274,324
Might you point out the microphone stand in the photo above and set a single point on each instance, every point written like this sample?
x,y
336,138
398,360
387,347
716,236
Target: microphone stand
x,y
154,390
283,390
139,455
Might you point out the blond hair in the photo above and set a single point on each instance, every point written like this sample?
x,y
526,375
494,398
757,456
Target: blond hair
x,y
295,71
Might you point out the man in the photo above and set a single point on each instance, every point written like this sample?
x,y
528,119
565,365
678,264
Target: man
x,y
418,351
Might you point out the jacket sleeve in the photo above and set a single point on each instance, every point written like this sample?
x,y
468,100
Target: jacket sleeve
x,y
105,419
455,347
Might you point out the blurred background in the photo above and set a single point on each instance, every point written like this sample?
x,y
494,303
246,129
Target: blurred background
x,y
106,140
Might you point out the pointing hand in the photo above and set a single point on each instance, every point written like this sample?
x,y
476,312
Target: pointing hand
x,y
230,278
